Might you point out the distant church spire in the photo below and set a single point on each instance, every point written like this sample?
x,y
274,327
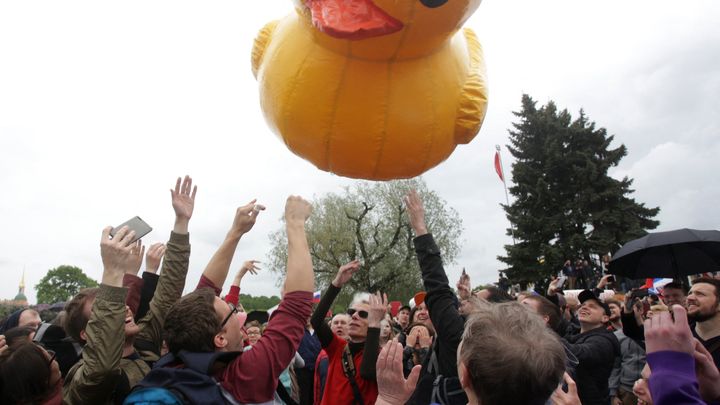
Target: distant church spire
x,y
21,289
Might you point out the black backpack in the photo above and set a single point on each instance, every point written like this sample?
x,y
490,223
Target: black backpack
x,y
183,379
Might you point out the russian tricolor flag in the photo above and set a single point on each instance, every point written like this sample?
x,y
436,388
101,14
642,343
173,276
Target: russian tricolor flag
x,y
656,285
316,297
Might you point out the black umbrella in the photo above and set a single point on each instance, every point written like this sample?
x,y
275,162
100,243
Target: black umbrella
x,y
671,254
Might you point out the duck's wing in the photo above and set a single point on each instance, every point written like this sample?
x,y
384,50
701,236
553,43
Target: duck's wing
x,y
261,41
473,98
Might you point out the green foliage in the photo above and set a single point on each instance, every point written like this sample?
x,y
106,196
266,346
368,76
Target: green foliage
x,y
62,283
261,303
566,205
368,222
6,309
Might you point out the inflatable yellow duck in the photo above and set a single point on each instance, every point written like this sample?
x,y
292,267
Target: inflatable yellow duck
x,y
372,89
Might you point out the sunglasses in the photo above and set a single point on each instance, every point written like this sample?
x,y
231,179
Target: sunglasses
x,y
233,310
361,314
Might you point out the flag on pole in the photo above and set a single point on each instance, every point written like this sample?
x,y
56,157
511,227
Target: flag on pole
x,y
498,166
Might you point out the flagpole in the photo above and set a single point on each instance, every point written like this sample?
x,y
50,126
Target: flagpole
x,y
507,199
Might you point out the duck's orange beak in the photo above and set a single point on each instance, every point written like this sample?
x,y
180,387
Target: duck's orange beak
x,y
352,19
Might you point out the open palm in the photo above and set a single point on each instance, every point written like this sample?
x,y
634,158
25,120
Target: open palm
x,y
183,201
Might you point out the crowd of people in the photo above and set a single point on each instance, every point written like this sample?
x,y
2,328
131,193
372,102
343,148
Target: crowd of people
x,y
137,340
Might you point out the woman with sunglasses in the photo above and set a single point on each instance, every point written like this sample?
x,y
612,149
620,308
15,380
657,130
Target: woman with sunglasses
x,y
351,369
29,374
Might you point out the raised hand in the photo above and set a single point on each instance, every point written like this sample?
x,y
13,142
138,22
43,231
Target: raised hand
x,y
117,256
663,333
249,266
393,388
297,210
463,286
137,252
183,202
245,217
377,310
345,273
416,213
183,198
153,257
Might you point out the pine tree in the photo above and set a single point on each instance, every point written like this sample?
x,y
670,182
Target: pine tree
x,y
566,206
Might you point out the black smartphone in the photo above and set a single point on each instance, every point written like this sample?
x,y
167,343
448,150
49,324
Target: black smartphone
x,y
136,224
611,279
643,292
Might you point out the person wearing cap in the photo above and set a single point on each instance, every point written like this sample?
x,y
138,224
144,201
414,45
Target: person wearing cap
x,y
595,348
402,319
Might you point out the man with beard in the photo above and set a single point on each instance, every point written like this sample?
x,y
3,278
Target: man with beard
x,y
703,305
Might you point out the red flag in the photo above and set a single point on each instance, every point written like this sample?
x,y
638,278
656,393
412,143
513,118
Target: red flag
x,y
498,167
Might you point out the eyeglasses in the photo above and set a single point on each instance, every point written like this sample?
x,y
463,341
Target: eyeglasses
x,y
361,314
233,310
53,355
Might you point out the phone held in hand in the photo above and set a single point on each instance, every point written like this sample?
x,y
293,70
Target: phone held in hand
x,y
561,281
136,224
611,279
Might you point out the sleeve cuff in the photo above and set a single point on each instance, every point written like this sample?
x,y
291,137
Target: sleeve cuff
x,y
112,294
180,238
426,243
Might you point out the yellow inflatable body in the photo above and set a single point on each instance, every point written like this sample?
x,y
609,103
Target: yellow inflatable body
x,y
372,89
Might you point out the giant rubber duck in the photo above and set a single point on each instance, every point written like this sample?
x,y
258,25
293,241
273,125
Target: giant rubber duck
x,y
372,89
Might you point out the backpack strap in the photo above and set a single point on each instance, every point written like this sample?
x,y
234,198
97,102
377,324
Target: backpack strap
x,y
349,371
41,332
284,395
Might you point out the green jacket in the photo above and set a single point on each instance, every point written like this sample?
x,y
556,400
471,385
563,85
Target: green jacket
x,y
103,376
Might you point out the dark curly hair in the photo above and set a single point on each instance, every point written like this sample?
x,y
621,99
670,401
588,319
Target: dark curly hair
x,y
192,323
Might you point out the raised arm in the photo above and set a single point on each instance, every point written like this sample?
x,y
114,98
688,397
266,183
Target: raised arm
x,y
233,296
276,348
91,380
217,269
153,257
441,300
300,275
344,274
174,270
378,308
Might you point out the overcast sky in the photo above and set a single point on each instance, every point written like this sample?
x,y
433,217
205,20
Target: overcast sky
x,y
104,104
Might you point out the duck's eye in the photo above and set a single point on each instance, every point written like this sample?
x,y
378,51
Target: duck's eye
x,y
433,3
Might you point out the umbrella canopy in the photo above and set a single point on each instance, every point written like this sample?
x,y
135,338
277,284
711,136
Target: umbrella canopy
x,y
671,254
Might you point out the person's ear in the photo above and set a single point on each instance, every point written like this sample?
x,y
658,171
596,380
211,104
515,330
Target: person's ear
x,y
464,375
83,335
220,341
605,319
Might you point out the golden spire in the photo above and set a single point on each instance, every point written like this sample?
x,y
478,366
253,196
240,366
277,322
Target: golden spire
x,y
22,282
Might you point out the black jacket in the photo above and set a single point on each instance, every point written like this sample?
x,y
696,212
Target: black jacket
x,y
596,351
443,307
